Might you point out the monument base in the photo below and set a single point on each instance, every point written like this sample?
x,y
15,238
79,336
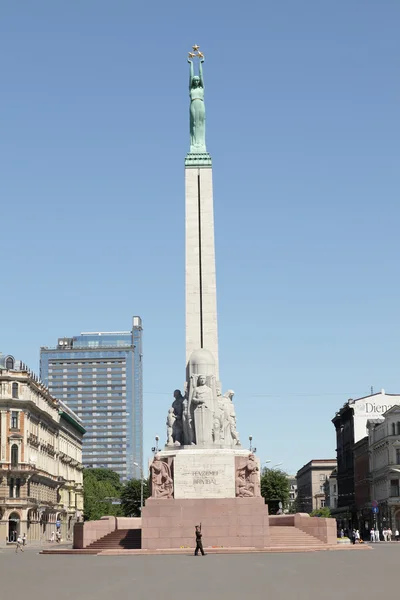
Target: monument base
x,y
226,522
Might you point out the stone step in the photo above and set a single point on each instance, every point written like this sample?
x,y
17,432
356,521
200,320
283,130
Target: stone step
x,y
282,536
128,539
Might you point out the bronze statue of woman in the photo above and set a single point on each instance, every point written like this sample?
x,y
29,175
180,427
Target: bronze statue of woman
x,y
197,110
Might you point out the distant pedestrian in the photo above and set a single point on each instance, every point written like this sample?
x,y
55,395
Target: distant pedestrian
x,y
24,539
342,533
372,534
19,544
384,533
53,536
199,542
389,535
357,536
58,537
397,535
353,536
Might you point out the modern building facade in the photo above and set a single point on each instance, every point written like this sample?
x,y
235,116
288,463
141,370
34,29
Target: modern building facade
x,y
99,376
40,458
311,480
351,426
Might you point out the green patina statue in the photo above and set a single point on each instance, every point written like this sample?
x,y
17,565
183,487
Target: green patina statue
x,y
197,109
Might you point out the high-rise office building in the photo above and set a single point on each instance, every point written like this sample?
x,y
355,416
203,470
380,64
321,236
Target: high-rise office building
x,y
99,376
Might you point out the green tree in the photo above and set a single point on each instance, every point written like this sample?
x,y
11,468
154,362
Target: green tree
x,y
324,512
130,497
100,486
275,488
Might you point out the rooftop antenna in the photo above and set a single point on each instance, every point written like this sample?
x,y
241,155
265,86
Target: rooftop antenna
x,y
372,390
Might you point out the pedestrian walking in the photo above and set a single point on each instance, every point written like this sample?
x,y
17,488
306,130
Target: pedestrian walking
x,y
199,542
397,535
389,535
384,532
24,539
372,534
357,536
58,537
19,544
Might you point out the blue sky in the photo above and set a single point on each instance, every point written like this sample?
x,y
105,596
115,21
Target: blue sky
x,y
302,102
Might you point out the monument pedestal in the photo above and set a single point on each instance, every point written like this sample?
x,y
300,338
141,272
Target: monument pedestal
x,y
207,487
225,522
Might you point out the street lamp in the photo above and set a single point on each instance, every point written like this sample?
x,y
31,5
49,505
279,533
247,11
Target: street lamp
x,y
141,486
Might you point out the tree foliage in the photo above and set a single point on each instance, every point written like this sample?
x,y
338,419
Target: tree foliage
x,y
100,486
324,512
275,488
130,497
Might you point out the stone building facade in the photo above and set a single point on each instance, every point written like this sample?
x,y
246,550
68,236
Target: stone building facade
x,y
384,465
351,426
41,478
311,481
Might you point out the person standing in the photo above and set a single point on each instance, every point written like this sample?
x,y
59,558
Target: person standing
x,y
19,544
389,535
24,539
396,535
384,533
199,542
372,534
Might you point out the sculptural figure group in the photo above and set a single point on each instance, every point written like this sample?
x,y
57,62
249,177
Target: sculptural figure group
x,y
203,416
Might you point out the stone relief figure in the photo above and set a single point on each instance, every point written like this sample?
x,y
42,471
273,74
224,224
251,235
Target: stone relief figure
x,y
201,404
197,109
178,407
227,417
161,480
171,419
248,479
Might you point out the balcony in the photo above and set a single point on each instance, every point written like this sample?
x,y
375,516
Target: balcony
x,y
33,440
16,468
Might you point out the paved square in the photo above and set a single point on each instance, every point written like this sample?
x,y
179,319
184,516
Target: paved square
x,y
327,575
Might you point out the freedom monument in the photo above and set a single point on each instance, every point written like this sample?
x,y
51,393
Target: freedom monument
x,y
203,474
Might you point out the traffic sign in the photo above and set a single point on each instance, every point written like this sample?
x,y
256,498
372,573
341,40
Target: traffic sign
x,y
374,503
375,509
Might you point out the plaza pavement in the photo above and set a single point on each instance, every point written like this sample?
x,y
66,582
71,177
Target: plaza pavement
x,y
308,576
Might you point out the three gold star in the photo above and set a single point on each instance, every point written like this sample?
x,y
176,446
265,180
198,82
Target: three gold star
x,y
195,47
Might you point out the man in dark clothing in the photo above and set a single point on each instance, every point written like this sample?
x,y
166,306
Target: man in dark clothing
x,y
199,543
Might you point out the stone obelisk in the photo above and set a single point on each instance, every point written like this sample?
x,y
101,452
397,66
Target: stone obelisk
x,y
201,291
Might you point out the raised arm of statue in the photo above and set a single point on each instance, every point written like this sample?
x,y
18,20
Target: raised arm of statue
x,y
201,73
191,73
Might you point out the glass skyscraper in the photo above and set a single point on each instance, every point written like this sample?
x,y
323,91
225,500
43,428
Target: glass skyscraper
x,y
99,376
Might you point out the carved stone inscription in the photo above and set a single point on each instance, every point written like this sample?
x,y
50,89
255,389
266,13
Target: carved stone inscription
x,y
204,475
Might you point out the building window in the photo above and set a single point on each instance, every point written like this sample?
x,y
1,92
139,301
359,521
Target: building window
x,y
15,390
10,363
394,487
322,503
17,488
14,455
11,488
398,428
14,420
321,488
397,456
393,428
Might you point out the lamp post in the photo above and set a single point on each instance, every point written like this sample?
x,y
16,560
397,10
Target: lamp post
x,y
141,486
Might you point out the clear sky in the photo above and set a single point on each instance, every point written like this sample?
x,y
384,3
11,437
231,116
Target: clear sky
x,y
302,104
